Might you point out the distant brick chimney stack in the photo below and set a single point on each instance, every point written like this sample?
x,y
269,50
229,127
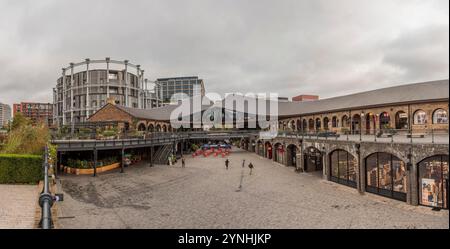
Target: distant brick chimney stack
x,y
305,97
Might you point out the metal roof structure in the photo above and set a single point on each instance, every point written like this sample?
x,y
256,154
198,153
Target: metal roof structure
x,y
396,95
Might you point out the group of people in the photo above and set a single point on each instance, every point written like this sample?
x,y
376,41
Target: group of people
x,y
250,165
227,164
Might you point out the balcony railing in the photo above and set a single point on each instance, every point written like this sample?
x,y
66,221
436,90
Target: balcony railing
x,y
438,136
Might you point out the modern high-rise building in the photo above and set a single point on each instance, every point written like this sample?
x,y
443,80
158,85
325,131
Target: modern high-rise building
x,y
85,87
5,114
37,112
167,88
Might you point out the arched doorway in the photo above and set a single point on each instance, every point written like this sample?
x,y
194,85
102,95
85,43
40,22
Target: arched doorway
x,y
433,181
401,120
318,124
356,124
345,122
386,176
278,151
311,125
370,123
326,122
268,150
291,155
304,125
158,128
260,148
299,125
385,120
141,127
312,160
292,125
343,168
151,128
245,144
164,128
334,122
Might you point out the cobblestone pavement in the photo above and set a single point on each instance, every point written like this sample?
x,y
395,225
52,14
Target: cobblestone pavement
x,y
205,195
17,206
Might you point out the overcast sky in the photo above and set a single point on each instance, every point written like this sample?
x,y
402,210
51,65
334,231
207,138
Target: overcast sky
x,y
324,47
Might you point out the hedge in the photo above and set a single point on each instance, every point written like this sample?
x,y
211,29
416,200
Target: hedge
x,y
16,168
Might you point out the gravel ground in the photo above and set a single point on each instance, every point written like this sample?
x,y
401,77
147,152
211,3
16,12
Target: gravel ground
x,y
206,195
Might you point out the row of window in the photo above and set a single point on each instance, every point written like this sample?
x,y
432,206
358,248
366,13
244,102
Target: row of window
x,y
440,116
386,175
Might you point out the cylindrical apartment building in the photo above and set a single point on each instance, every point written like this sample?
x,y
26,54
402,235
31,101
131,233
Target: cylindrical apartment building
x,y
85,87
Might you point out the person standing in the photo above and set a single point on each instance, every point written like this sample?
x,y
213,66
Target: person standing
x,y
183,163
226,163
251,168
243,163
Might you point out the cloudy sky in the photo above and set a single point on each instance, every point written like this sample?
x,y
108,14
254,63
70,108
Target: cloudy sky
x,y
325,47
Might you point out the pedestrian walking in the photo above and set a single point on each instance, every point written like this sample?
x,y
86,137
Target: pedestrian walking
x,y
183,163
243,163
226,163
251,168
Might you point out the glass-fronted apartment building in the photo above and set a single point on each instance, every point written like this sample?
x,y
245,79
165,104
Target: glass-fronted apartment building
x,y
175,87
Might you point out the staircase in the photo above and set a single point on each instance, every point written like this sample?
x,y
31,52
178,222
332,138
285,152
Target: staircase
x,y
162,154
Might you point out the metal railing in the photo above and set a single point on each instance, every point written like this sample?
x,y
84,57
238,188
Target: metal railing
x,y
438,136
46,199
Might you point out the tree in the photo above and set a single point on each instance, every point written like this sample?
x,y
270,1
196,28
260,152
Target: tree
x,y
19,120
25,138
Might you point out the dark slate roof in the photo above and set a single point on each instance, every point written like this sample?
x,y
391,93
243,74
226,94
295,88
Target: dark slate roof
x,y
159,114
410,93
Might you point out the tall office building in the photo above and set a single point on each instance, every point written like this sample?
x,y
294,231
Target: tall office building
x,y
175,87
5,114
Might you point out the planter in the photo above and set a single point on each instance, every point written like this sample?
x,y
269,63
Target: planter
x,y
77,171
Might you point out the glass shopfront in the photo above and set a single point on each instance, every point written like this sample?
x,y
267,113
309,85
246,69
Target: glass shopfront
x,y
386,176
312,160
343,168
433,181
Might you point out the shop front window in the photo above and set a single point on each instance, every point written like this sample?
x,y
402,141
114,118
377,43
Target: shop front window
x,y
386,175
343,168
433,181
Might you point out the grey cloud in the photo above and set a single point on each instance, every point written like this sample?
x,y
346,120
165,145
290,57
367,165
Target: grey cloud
x,y
291,47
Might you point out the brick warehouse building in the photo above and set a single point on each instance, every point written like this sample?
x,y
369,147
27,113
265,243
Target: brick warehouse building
x,y
37,112
414,172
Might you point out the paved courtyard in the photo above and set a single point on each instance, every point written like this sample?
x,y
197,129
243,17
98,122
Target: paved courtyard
x,y
18,206
205,195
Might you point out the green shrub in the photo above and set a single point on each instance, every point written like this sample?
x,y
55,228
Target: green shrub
x,y
20,168
194,147
109,133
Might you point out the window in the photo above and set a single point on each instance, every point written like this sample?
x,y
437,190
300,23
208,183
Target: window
x,y
433,181
326,122
440,117
112,76
420,117
334,122
386,175
343,168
